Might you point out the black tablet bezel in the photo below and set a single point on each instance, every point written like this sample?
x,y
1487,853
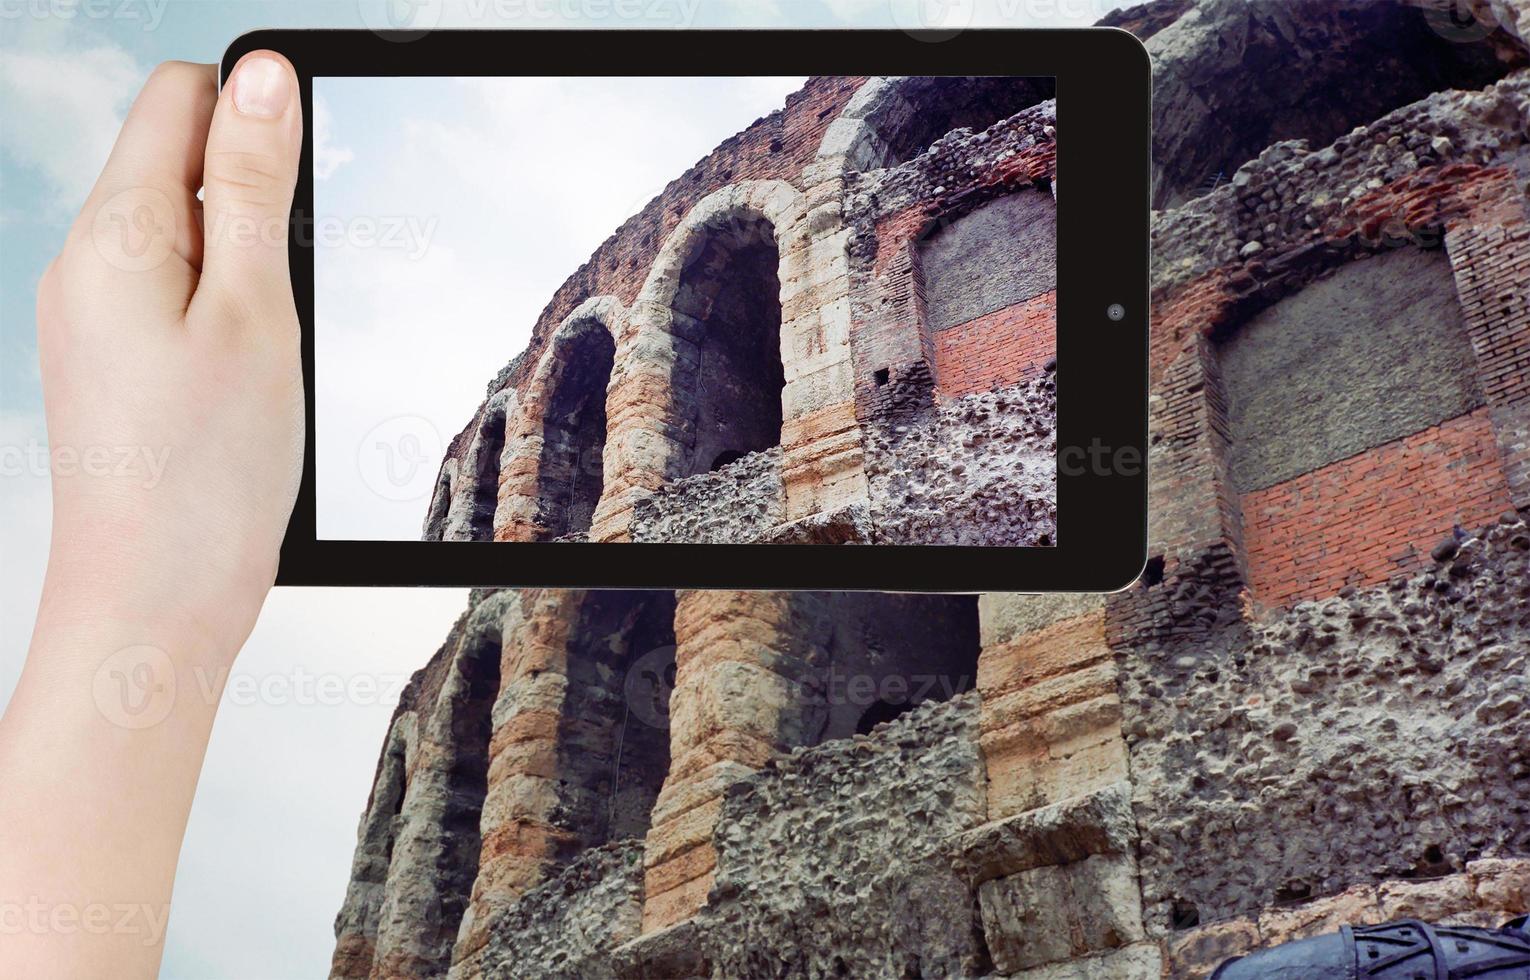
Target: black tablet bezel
x,y
1103,107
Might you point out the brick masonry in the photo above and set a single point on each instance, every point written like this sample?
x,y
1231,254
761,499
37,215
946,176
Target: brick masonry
x,y
997,349
1373,515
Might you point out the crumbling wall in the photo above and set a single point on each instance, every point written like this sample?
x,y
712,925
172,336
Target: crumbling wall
x,y
980,470
1380,733
1339,65
568,927
736,504
831,862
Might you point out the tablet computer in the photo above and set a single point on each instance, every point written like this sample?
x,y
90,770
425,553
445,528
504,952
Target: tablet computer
x,y
699,309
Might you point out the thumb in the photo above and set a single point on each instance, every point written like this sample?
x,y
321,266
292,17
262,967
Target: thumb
x,y
248,176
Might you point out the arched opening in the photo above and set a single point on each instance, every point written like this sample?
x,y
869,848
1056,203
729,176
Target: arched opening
x,y
471,693
728,306
614,733
725,457
482,474
571,474
881,712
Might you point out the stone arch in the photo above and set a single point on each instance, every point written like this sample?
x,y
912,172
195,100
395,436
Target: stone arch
x,y
892,119
471,482
581,740
656,410
556,461
436,852
725,321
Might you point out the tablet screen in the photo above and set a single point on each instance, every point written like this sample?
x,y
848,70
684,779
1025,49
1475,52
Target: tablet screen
x,y
727,310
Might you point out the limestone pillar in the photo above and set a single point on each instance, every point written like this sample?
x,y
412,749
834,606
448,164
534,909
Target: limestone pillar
x,y
738,699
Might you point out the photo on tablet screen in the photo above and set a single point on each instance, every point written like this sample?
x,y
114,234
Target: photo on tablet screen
x,y
722,310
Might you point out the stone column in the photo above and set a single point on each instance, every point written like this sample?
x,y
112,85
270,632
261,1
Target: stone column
x,y
1055,867
822,465
740,668
520,840
1051,716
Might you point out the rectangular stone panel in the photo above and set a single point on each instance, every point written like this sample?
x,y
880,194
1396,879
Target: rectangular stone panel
x,y
1376,350
1003,253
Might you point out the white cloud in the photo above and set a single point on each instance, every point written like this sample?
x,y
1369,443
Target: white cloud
x,y
63,110
327,156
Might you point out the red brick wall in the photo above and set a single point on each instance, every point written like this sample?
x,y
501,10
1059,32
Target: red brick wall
x,y
996,349
1374,515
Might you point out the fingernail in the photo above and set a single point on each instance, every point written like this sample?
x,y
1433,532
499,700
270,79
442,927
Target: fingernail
x,y
261,88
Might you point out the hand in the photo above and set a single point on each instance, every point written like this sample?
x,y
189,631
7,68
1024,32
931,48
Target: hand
x,y
173,394
170,354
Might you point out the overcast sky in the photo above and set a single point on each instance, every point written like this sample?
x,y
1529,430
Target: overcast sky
x,y
269,845
450,210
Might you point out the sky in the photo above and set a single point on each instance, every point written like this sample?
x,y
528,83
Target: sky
x,y
268,849
451,210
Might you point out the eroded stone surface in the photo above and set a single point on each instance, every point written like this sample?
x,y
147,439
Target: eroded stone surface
x,y
739,503
832,861
569,927
1392,718
981,470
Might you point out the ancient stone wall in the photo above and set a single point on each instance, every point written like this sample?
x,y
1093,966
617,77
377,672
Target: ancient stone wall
x,y
1308,712
741,501
832,862
1391,718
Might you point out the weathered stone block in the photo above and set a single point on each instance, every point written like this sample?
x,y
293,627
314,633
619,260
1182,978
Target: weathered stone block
x,y
1067,832
1055,913
1142,961
1356,906
1432,900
